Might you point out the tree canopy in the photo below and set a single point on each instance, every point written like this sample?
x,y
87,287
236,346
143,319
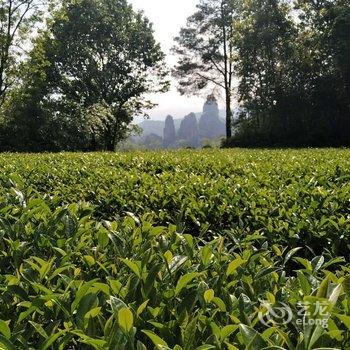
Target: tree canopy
x,y
290,59
206,52
292,64
17,20
88,74
92,64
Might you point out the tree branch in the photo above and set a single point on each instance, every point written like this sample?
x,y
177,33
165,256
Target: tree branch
x,y
210,79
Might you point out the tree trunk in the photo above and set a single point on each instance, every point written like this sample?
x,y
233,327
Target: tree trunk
x,y
111,147
112,144
227,74
228,114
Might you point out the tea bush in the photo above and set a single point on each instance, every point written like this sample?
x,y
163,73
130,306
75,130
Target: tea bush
x,y
189,250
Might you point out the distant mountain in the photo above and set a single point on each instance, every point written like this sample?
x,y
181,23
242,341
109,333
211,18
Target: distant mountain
x,y
156,127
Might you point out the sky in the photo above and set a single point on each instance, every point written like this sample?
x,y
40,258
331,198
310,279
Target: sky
x,y
168,16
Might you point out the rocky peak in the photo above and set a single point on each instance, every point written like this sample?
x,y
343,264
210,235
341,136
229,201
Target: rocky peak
x,y
169,134
188,131
210,125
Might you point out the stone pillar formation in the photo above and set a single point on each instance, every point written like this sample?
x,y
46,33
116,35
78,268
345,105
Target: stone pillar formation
x,y
189,131
210,125
169,138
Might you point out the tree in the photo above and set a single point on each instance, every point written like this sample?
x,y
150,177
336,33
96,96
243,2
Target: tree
x,y
206,52
293,71
341,38
98,60
263,38
323,49
28,123
17,20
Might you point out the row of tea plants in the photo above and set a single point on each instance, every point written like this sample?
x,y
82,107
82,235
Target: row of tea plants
x,y
296,197
189,251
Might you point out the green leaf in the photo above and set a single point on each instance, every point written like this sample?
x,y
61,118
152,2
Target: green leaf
x,y
189,334
184,281
141,308
290,254
93,313
89,260
206,255
251,338
133,266
177,262
5,344
305,285
345,319
81,292
264,272
317,263
156,340
97,344
227,331
322,290
220,304
306,263
125,319
5,329
156,231
230,346
234,265
39,329
333,298
168,256
103,238
87,303
209,295
140,346
51,340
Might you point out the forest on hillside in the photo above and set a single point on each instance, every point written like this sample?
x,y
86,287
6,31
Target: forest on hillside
x,y
74,74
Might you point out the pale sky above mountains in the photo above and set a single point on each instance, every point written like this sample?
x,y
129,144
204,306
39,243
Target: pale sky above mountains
x,y
168,16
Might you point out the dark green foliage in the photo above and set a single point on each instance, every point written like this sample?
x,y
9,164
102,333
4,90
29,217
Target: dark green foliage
x,y
86,77
18,18
294,73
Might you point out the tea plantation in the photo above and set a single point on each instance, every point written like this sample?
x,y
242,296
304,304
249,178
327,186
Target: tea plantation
x,y
188,250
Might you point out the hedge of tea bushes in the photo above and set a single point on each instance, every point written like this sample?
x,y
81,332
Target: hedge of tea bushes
x,y
129,251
